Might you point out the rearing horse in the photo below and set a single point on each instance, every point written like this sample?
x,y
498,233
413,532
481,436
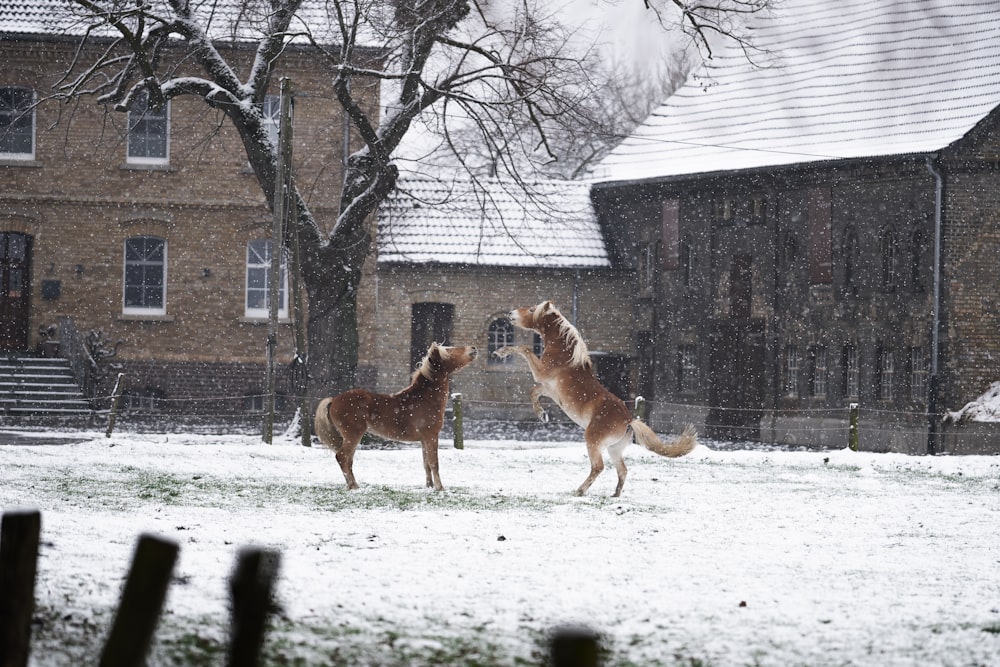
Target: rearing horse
x,y
565,374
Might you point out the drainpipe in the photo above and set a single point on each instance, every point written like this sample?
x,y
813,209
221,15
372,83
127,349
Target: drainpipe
x,y
933,423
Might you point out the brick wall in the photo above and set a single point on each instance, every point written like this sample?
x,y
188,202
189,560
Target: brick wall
x,y
80,201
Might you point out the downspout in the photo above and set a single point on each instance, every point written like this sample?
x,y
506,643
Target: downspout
x,y
933,423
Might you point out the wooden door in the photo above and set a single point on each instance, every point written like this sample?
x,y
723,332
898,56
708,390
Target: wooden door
x,y
15,290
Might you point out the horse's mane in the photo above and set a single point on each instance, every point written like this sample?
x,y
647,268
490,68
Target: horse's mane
x,y
424,367
580,357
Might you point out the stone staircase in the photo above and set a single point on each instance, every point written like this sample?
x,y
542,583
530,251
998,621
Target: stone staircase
x,y
39,387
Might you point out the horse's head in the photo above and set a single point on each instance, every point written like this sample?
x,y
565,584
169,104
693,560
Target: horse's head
x,y
442,361
546,319
536,317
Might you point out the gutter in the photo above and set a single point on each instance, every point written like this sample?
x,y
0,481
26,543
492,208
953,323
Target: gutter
x,y
933,422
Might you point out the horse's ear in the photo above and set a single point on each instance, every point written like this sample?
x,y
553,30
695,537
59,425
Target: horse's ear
x,y
546,307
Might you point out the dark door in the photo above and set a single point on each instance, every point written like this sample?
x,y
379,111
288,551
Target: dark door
x,y
736,380
429,323
15,290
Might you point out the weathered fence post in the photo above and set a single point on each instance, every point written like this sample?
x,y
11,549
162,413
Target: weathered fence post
x,y
456,419
251,587
18,563
574,647
141,603
641,408
116,398
852,438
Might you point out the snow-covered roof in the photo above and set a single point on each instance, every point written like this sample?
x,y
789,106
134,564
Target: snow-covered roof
x,y
226,20
830,80
497,223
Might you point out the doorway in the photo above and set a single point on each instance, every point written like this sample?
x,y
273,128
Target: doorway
x,y
15,290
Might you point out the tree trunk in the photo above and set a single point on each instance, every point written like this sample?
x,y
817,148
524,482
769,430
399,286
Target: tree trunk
x,y
332,334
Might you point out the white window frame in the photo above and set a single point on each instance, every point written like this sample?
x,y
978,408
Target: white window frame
x,y
887,369
146,119
258,263
143,310
687,368
11,116
918,374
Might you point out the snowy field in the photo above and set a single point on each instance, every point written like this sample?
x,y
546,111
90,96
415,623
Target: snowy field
x,y
724,557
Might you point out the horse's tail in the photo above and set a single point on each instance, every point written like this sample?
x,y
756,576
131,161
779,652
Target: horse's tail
x,y
646,437
325,430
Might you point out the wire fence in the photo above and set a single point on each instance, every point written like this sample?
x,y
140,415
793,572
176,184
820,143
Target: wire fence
x,y
817,426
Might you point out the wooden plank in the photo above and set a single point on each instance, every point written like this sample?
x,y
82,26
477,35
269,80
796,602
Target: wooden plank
x,y
19,533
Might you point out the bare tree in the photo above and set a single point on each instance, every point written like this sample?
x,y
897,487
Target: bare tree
x,y
501,65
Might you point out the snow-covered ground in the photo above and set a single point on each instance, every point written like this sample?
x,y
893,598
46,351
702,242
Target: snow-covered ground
x,y
724,557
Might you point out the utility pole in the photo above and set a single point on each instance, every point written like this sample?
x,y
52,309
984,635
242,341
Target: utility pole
x,y
281,183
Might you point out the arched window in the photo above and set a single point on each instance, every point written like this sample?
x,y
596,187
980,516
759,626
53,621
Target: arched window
x,y
500,334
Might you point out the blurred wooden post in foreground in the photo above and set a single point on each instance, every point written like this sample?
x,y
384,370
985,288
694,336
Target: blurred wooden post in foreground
x,y
141,603
574,647
251,587
19,534
456,419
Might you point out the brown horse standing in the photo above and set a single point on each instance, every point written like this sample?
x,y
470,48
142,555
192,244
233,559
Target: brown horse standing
x,y
565,374
415,414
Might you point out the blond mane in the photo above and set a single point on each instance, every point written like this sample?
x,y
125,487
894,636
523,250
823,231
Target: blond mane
x,y
424,367
580,357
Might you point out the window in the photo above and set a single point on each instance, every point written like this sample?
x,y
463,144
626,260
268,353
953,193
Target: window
x,y
145,276
852,380
918,374
758,210
889,247
687,368
500,334
537,344
917,270
722,210
850,260
791,379
886,370
147,132
817,372
687,259
272,117
258,277
17,123
649,262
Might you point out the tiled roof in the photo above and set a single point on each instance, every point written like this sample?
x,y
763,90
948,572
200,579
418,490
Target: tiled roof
x,y
431,220
227,20
846,79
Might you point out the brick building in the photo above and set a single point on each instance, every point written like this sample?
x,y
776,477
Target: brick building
x,y
820,227
150,228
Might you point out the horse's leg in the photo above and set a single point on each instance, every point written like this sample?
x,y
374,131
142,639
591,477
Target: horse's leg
x,y
537,392
430,451
345,457
615,452
596,463
522,350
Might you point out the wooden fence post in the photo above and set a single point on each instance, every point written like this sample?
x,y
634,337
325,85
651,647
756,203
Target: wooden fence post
x,y
141,603
19,534
116,398
251,587
574,647
641,408
852,438
456,419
